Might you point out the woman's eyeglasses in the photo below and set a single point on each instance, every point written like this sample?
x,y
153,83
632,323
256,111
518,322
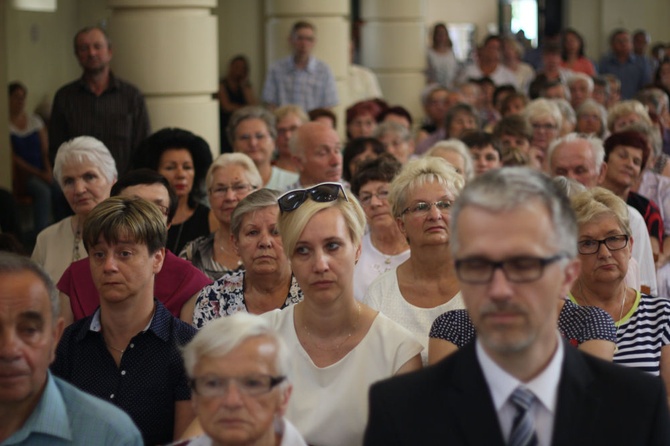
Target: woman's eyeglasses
x,y
321,193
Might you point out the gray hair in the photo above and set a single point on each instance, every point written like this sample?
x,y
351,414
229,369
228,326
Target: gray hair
x,y
221,336
589,106
650,133
85,149
581,77
291,109
240,159
628,107
504,190
567,112
251,112
595,144
456,146
394,128
418,172
654,98
11,263
255,201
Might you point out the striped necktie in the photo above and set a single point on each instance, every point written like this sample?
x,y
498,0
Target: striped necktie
x,y
523,427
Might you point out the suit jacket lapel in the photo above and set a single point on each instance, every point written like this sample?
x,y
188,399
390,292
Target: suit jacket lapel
x,y
471,402
576,405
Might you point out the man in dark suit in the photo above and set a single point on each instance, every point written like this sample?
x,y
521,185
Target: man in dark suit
x,y
514,241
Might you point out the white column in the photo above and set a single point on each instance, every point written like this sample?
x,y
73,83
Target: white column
x,y
331,19
169,50
393,45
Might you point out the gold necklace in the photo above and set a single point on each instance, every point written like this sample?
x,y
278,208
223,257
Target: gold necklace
x,y
337,347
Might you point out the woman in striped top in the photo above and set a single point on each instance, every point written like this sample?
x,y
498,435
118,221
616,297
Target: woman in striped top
x,y
642,321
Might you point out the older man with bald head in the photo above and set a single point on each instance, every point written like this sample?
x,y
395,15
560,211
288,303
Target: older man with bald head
x,y
582,159
317,152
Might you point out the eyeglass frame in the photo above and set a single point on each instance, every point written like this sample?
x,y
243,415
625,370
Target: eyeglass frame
x,y
274,382
430,206
309,193
365,201
603,242
543,262
225,189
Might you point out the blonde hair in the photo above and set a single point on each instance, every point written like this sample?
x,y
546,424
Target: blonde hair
x,y
456,146
291,224
597,201
624,108
418,172
291,109
543,108
227,159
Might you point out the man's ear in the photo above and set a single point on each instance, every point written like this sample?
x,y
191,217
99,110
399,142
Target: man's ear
x,y
603,173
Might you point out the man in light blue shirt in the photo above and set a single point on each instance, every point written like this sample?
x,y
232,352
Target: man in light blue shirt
x,y
300,78
631,70
35,407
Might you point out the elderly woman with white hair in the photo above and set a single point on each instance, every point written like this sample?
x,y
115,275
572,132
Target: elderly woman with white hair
x,y
342,346
397,140
251,130
425,285
230,178
592,119
546,120
457,154
581,89
85,171
246,351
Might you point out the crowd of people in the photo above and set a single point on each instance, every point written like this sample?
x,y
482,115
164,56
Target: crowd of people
x,y
499,253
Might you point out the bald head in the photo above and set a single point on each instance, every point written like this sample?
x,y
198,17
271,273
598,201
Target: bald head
x,y
317,152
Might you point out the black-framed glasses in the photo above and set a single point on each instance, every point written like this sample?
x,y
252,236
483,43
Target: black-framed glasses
x,y
252,385
479,270
321,193
613,243
423,207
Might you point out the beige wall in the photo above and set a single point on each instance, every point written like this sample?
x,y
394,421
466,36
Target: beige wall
x,y
482,13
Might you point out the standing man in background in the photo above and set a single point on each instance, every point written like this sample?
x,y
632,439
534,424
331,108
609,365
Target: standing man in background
x,y
300,78
99,104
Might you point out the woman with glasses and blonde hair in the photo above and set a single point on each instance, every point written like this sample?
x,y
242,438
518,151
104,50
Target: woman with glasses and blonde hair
x,y
604,245
230,178
342,345
425,285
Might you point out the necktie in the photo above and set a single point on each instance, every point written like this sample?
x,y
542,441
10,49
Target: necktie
x,y
523,427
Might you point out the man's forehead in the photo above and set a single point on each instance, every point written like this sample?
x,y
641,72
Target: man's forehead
x,y
570,149
25,293
149,192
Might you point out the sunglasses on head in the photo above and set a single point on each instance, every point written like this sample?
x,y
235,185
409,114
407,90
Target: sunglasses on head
x,y
321,193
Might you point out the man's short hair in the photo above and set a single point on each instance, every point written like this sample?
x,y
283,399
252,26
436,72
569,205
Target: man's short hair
x,y
144,176
11,263
221,336
479,140
121,218
504,190
615,33
513,125
301,24
88,29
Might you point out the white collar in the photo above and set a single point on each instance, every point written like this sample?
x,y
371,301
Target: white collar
x,y
501,384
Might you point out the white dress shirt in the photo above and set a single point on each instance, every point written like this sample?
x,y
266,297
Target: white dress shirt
x,y
544,386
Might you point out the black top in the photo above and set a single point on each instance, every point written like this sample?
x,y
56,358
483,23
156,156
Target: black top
x,y
650,212
149,380
191,229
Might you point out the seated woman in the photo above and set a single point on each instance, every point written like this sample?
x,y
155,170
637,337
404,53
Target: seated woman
x,y
425,285
86,171
357,151
251,131
182,158
457,154
341,345
230,178
642,321
384,247
265,283
590,329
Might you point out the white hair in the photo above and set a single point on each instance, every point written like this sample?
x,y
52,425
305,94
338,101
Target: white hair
x,y
85,149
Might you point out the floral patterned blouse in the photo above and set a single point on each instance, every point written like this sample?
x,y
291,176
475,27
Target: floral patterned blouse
x,y
226,297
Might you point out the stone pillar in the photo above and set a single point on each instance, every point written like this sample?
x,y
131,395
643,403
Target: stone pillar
x,y
331,19
5,147
169,50
393,45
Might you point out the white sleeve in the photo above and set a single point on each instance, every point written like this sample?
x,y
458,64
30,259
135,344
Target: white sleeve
x,y
642,251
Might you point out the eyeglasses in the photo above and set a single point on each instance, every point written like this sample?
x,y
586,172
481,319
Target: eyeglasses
x,y
613,243
321,193
164,209
366,198
547,127
478,270
222,191
423,207
252,385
